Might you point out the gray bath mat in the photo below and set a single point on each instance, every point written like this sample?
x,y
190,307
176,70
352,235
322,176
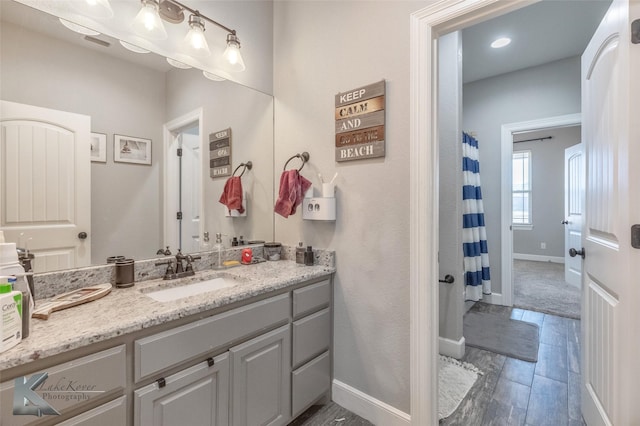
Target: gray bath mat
x,y
513,338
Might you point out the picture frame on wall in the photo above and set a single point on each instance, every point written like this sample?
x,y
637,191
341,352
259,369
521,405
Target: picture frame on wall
x,y
129,149
98,147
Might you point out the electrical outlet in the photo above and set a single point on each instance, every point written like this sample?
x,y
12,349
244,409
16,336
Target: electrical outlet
x,y
543,246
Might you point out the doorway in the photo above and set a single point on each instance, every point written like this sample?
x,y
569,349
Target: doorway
x,y
183,208
426,26
533,248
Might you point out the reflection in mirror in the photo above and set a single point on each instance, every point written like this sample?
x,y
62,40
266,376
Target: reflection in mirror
x,y
137,95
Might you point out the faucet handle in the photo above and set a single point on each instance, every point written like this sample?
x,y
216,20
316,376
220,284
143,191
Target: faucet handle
x,y
169,264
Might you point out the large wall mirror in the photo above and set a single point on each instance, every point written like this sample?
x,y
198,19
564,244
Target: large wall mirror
x,y
135,96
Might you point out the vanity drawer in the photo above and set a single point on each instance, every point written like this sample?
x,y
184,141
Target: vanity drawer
x,y
172,347
311,336
310,382
311,298
71,384
111,413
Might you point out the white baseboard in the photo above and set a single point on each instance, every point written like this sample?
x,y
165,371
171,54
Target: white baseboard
x,y
452,348
493,298
367,407
538,258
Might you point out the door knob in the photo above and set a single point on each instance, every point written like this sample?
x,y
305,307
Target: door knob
x,y
573,252
448,279
82,235
565,222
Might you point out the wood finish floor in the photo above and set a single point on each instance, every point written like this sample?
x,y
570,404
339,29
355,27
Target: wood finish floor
x,y
511,391
515,392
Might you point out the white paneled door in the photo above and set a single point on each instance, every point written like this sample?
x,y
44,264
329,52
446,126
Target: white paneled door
x,y
611,295
573,210
45,190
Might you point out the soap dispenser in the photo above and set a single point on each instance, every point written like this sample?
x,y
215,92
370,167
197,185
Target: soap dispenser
x,y
218,248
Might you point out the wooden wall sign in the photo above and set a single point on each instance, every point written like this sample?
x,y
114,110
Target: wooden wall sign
x,y
360,123
220,153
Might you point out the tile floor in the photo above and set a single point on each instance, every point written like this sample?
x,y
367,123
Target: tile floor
x,y
515,392
511,391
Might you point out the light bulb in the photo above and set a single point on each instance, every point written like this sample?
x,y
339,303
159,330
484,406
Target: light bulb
x,y
501,42
195,39
232,54
148,22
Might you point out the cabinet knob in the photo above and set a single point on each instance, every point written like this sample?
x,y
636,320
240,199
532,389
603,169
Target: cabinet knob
x,y
83,235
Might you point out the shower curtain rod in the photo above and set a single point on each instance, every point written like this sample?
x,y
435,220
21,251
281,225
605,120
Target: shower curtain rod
x,y
534,139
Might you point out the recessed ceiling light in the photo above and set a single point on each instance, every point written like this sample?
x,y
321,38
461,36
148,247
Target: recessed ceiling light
x,y
178,64
78,28
501,42
133,47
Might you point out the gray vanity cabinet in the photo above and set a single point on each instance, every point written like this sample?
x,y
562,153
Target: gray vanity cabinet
x,y
196,396
261,389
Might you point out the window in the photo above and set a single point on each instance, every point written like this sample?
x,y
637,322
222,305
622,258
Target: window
x,y
521,189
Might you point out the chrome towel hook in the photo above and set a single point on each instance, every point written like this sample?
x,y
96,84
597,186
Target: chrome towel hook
x,y
304,157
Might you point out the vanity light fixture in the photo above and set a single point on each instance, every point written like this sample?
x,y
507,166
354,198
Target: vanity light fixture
x,y
195,40
94,8
133,47
178,64
232,53
148,22
501,42
78,28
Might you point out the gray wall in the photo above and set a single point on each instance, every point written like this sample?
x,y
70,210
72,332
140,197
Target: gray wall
x,y
547,172
538,92
322,48
121,98
450,157
249,113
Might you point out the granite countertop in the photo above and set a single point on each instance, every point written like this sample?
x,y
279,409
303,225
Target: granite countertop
x,y
126,310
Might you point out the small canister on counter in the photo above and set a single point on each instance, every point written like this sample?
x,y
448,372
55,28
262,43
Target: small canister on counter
x,y
308,256
124,273
272,250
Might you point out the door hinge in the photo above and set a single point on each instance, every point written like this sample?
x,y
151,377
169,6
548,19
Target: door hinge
x,y
210,362
635,31
179,153
179,215
635,236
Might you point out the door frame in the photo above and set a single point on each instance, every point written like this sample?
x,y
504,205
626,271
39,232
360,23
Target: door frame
x,y
167,131
506,153
426,25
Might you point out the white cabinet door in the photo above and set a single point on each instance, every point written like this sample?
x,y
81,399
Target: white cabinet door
x,y
196,396
261,367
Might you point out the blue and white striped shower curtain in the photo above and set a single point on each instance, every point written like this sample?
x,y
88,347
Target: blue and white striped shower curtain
x,y
477,276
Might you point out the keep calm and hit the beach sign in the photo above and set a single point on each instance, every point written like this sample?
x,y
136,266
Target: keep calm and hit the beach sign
x,y
360,123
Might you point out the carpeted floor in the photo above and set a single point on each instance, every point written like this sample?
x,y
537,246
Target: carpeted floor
x,y
540,286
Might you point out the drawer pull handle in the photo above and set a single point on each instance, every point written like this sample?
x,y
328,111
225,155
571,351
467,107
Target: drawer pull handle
x,y
161,382
210,361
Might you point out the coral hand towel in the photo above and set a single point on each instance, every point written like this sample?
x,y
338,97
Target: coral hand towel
x,y
292,189
232,194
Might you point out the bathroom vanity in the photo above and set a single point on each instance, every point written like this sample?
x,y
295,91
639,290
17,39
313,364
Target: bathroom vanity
x,y
258,352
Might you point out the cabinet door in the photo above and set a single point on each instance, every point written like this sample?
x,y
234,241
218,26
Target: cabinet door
x,y
196,396
261,393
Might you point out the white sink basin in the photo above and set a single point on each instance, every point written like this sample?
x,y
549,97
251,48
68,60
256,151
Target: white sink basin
x,y
187,290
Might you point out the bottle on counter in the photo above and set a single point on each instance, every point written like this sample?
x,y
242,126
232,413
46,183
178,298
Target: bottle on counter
x,y
11,318
300,253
